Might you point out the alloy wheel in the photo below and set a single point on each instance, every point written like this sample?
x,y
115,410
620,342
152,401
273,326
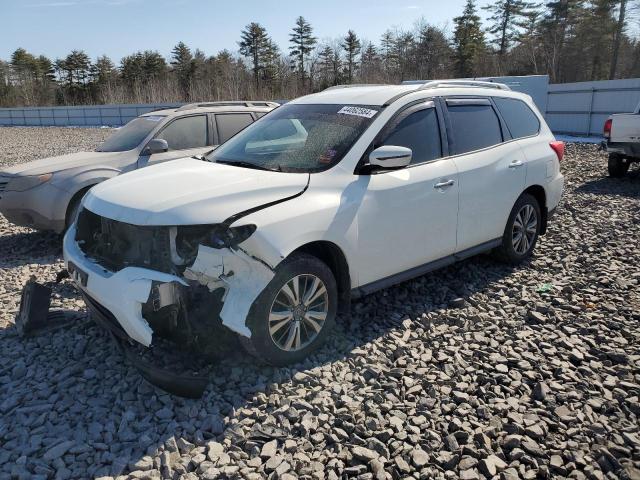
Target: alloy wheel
x,y
298,312
525,229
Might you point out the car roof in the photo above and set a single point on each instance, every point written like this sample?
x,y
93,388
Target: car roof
x,y
211,108
378,95
357,94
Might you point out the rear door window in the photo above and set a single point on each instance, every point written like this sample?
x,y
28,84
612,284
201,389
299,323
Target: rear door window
x,y
186,132
231,123
474,123
520,119
418,131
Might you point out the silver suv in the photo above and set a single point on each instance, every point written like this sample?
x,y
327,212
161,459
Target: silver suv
x,y
45,193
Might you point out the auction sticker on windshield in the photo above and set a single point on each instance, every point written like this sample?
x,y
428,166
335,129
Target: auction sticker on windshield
x,y
358,111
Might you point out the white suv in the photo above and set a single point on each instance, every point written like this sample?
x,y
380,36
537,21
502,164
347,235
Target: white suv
x,y
330,197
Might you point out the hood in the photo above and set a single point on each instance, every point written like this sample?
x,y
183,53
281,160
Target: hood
x,y
189,192
62,162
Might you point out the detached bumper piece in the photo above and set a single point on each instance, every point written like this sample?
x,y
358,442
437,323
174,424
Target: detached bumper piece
x,y
183,385
34,316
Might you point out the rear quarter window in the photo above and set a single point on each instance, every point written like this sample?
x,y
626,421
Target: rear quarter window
x,y
231,123
520,119
475,126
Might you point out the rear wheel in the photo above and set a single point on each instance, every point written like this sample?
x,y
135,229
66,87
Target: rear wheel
x,y
294,313
618,165
522,230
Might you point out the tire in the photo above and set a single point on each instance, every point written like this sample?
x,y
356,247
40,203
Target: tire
x,y
274,349
72,211
512,250
618,165
73,207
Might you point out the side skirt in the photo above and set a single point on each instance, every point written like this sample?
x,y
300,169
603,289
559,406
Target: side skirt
x,y
423,269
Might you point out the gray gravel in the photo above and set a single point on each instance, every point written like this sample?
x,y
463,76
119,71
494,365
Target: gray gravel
x,y
475,371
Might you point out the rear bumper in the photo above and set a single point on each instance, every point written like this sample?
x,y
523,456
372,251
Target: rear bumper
x,y
555,189
629,149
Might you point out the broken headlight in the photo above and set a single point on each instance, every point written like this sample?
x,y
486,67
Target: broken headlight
x,y
232,236
188,238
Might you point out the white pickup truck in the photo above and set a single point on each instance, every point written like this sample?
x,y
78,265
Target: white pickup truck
x,y
622,141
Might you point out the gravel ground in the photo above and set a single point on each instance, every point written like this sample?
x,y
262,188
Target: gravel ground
x,y
478,370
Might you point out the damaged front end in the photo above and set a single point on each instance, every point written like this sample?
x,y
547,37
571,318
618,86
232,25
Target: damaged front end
x,y
180,283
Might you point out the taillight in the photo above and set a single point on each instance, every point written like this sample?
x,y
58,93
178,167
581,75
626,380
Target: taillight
x,y
558,147
607,128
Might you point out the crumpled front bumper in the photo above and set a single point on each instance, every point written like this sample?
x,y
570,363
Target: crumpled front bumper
x,y
127,292
122,293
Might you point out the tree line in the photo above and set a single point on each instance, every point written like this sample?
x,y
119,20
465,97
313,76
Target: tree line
x,y
570,40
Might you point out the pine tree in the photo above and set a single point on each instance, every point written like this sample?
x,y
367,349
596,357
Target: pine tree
x,y
142,67
593,39
403,49
255,43
468,40
433,53
270,66
154,66
558,29
369,63
103,71
302,41
621,24
508,18
325,61
351,45
184,67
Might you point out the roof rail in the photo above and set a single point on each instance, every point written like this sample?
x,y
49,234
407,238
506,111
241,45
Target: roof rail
x,y
230,103
456,83
353,85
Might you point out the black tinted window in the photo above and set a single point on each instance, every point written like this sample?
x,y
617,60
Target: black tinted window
x,y
231,123
420,132
522,122
187,132
474,127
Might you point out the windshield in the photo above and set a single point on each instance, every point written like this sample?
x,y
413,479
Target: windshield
x,y
297,138
130,136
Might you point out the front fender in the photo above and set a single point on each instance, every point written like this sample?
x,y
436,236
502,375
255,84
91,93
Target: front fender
x,y
312,217
72,182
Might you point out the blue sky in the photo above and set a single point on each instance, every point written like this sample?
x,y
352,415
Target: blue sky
x,y
120,27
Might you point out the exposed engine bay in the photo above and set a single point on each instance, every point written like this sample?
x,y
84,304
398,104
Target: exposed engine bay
x,y
117,245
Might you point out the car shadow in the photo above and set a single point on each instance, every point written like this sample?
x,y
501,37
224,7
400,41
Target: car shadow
x,y
28,247
626,186
100,403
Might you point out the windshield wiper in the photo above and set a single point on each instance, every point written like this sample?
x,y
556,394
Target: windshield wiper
x,y
244,164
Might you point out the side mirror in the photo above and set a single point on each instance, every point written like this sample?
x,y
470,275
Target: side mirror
x,y
156,145
390,156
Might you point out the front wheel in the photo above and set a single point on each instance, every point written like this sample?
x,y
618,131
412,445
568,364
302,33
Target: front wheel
x,y
522,230
294,313
618,165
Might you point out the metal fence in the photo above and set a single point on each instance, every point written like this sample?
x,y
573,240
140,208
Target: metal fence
x,y
78,116
581,108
